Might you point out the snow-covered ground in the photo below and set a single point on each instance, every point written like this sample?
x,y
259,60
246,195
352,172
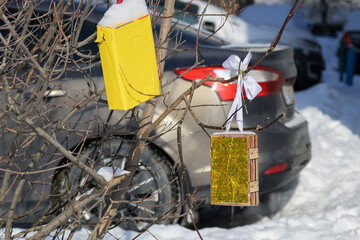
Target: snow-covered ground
x,y
325,205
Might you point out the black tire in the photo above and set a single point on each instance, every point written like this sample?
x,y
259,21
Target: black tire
x,y
154,191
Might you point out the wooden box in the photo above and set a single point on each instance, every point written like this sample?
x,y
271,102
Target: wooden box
x,y
234,169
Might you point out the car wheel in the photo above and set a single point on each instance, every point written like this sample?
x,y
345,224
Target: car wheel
x,y
154,191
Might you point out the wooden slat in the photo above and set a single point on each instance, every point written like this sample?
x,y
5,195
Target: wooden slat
x,y
253,153
252,172
254,186
249,171
251,139
257,169
252,199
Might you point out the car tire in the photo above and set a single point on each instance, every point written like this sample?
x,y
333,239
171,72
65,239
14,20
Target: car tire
x,y
153,193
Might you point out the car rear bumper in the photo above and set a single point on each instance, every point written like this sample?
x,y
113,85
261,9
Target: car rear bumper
x,y
282,143
286,143
270,183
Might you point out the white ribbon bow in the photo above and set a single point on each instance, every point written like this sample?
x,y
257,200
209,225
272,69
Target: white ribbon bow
x,y
252,88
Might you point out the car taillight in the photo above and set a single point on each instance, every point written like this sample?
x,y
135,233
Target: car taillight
x,y
276,169
292,80
347,39
271,80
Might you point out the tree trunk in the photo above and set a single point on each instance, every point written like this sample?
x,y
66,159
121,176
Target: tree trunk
x,y
324,15
131,165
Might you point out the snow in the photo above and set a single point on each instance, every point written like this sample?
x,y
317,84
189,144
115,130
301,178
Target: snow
x,y
278,13
127,11
353,21
86,193
338,10
108,172
325,205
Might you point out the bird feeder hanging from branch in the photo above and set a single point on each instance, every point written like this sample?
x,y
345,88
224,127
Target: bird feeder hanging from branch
x,y
234,155
127,55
